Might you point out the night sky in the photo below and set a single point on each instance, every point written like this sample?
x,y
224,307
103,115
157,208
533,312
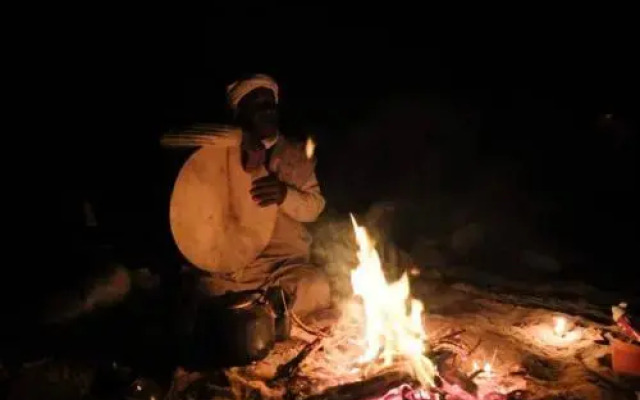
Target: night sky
x,y
500,100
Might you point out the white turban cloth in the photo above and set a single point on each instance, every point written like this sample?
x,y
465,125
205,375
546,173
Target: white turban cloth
x,y
237,90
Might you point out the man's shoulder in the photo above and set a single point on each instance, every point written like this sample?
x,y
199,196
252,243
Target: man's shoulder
x,y
292,141
293,164
292,146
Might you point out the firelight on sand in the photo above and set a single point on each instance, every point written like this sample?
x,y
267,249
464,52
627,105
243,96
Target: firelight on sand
x,y
560,327
559,332
393,327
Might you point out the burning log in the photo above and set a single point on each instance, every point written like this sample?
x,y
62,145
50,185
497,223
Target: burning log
x,y
287,370
401,385
376,386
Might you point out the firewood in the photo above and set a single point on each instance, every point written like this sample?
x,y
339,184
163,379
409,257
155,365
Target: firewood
x,y
372,387
287,370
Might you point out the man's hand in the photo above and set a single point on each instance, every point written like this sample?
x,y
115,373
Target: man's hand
x,y
268,190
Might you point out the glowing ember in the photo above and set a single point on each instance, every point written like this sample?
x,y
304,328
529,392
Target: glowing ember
x,y
560,327
310,148
561,332
476,367
487,369
393,326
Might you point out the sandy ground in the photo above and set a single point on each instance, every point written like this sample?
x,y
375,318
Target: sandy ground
x,y
517,341
511,330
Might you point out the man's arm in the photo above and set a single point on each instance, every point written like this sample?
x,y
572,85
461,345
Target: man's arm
x,y
305,203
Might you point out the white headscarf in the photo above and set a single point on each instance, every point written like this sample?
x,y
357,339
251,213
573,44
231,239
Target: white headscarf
x,y
237,90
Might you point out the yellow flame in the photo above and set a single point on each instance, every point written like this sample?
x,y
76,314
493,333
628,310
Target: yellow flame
x,y
476,367
392,329
560,327
310,148
487,369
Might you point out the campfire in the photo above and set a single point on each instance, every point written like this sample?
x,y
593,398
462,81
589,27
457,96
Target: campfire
x,y
381,329
383,347
393,320
379,347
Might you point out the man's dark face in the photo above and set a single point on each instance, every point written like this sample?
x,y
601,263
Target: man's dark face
x,y
258,113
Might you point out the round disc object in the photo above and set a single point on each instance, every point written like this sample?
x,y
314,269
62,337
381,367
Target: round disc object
x,y
215,223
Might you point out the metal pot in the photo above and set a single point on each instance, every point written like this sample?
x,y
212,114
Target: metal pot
x,y
235,329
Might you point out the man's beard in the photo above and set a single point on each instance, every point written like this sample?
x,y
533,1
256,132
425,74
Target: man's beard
x,y
266,130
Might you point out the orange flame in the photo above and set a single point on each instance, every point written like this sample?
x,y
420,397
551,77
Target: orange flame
x,y
392,328
487,369
310,148
560,327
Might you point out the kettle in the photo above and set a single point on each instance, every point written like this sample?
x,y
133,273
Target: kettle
x,y
239,328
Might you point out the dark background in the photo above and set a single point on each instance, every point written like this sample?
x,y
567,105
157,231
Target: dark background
x,y
500,120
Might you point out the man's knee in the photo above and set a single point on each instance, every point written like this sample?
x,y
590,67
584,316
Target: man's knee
x,y
312,292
